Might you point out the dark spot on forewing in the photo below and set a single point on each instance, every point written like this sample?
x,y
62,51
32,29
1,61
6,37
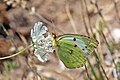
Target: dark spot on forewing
x,y
75,45
74,39
54,51
88,37
85,46
83,49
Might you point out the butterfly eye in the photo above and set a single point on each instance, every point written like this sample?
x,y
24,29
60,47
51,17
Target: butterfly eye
x,y
53,35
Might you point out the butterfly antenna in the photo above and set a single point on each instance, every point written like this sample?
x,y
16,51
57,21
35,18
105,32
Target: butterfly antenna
x,y
49,22
56,27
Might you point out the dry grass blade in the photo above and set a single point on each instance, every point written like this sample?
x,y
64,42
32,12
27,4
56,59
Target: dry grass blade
x,y
71,19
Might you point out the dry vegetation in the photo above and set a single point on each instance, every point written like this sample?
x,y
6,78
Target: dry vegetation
x,y
86,17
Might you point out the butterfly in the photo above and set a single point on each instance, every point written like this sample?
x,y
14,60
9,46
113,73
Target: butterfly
x,y
73,49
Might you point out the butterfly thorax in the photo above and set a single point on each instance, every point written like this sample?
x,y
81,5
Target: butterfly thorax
x,y
54,41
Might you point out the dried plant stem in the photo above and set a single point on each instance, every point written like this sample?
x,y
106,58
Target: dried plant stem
x,y
18,53
102,17
83,17
117,72
11,40
92,70
67,76
89,22
117,11
100,14
89,19
87,73
86,28
100,65
70,17
34,71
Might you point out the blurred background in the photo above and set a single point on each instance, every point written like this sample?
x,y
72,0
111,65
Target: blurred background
x,y
96,18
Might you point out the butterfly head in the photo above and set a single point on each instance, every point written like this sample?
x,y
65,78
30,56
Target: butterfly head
x,y
53,36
